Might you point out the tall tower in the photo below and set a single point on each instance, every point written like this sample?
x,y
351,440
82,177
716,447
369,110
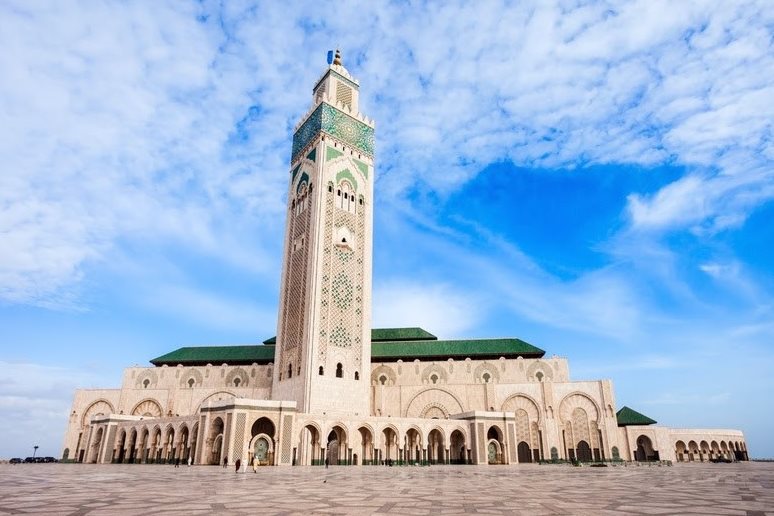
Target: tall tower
x,y
323,353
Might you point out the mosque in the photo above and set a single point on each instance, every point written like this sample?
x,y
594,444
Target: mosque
x,y
329,388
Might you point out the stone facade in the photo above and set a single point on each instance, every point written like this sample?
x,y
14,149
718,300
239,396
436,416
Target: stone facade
x,y
330,398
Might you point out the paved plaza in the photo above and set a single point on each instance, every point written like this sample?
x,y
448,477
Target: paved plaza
x,y
744,489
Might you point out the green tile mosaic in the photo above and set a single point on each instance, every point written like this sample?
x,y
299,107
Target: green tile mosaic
x,y
362,166
330,120
331,153
346,174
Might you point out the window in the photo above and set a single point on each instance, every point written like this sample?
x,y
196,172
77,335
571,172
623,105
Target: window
x,y
321,371
191,383
145,383
290,371
330,188
383,380
539,376
434,378
339,370
237,381
487,377
357,375
346,201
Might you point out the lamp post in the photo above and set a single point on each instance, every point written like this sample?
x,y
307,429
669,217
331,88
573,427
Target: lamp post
x,y
34,451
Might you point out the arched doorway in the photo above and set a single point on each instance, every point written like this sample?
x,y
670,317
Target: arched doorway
x,y
436,447
119,453
389,444
309,451
645,451
262,442
704,450
457,450
494,448
94,452
584,451
413,446
182,445
336,451
144,446
215,441
366,445
524,452
194,442
681,451
132,447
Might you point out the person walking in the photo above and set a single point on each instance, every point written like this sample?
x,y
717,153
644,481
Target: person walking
x,y
190,461
237,464
326,462
255,464
225,461
177,462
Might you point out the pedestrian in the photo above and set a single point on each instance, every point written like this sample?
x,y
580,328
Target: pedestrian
x,y
237,464
177,462
225,461
255,464
190,461
326,462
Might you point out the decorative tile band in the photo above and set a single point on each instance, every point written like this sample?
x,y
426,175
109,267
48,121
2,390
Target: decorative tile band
x,y
328,119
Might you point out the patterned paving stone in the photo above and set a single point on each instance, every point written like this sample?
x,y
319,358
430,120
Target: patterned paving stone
x,y
744,489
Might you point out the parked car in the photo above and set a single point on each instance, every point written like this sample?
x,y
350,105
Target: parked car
x,y
49,459
15,460
29,460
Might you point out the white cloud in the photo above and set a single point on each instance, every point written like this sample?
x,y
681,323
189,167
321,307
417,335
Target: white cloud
x,y
210,308
117,124
34,401
440,309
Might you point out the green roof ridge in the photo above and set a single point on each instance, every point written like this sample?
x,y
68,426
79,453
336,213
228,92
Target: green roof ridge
x,y
381,350
216,355
627,417
455,348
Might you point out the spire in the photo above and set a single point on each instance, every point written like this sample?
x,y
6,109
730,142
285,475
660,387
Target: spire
x,y
337,59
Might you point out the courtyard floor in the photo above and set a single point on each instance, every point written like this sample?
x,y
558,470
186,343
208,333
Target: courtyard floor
x,y
744,489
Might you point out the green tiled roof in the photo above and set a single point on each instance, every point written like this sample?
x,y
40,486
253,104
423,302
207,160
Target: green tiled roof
x,y
443,349
388,344
217,355
627,416
400,334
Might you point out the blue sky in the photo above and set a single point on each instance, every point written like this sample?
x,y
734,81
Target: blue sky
x,y
595,178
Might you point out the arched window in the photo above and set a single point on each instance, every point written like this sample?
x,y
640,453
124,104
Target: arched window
x,y
357,375
339,370
383,380
290,371
237,381
434,378
320,372
145,383
539,376
191,383
487,377
346,201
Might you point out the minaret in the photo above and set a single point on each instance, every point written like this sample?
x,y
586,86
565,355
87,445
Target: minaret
x,y
323,354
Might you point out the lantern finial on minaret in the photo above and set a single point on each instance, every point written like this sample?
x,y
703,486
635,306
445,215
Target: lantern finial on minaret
x,y
337,59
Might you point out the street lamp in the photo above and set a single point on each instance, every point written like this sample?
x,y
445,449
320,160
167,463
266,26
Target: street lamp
x,y
34,451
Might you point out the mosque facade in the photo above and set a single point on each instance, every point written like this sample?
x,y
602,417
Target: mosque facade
x,y
329,388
